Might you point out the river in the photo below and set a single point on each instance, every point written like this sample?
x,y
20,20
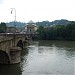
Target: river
x,y
44,58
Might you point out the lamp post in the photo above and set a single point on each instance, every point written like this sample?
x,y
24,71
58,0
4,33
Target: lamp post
x,y
13,9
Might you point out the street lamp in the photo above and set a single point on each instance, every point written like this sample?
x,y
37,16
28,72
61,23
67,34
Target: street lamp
x,y
13,9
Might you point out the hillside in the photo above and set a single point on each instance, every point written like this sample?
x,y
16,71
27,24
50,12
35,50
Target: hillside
x,y
56,22
17,24
43,23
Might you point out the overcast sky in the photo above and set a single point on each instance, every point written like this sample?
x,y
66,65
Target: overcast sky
x,y
37,10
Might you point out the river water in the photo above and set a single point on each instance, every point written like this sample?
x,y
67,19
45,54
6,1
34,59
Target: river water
x,y
44,58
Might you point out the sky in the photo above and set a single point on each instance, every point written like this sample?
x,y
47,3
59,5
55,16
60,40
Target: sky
x,y
37,10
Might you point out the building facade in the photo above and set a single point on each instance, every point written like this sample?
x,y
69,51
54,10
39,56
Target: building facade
x,y
31,27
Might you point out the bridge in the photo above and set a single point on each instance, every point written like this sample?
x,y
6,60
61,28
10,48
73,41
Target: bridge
x,y
11,45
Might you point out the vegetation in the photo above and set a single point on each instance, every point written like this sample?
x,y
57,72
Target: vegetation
x,y
17,24
57,32
3,28
56,22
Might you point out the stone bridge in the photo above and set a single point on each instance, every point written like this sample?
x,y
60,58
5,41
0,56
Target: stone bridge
x,y
11,45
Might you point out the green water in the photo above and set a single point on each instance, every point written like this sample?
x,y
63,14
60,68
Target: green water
x,y
44,58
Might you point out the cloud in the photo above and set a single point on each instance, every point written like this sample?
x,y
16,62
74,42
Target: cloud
x,y
37,10
1,1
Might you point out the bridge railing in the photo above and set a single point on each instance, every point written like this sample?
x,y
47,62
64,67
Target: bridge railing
x,y
5,36
9,36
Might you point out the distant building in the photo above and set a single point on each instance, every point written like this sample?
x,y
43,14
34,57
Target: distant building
x,y
12,30
31,27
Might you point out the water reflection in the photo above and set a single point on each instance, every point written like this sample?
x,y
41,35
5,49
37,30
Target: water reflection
x,y
10,70
44,58
68,47
15,69
50,58
68,44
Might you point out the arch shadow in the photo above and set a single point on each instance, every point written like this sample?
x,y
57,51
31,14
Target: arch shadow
x,y
20,44
4,58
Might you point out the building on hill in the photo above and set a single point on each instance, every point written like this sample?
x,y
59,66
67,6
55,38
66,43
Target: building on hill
x,y
12,30
30,27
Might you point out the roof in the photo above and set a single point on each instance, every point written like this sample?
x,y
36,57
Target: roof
x,y
30,24
30,21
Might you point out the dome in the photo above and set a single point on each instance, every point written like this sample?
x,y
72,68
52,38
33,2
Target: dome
x,y
30,22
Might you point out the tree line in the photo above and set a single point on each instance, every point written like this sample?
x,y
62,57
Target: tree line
x,y
3,27
57,32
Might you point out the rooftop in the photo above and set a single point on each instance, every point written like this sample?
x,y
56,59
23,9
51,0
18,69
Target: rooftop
x,y
30,21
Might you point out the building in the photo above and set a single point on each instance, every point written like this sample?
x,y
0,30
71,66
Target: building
x,y
12,30
31,27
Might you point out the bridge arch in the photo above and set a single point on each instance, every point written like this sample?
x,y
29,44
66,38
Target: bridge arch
x,y
4,58
20,44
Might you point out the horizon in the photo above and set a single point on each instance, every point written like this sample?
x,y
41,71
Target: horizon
x,y
37,10
36,21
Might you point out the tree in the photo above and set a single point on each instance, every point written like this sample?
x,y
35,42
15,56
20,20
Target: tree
x,y
60,31
70,31
41,31
3,27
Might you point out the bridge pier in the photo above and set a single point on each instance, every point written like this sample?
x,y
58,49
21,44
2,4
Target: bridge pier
x,y
15,55
25,44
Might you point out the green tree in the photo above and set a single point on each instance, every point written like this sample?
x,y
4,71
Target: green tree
x,y
70,31
60,31
50,33
3,27
42,33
